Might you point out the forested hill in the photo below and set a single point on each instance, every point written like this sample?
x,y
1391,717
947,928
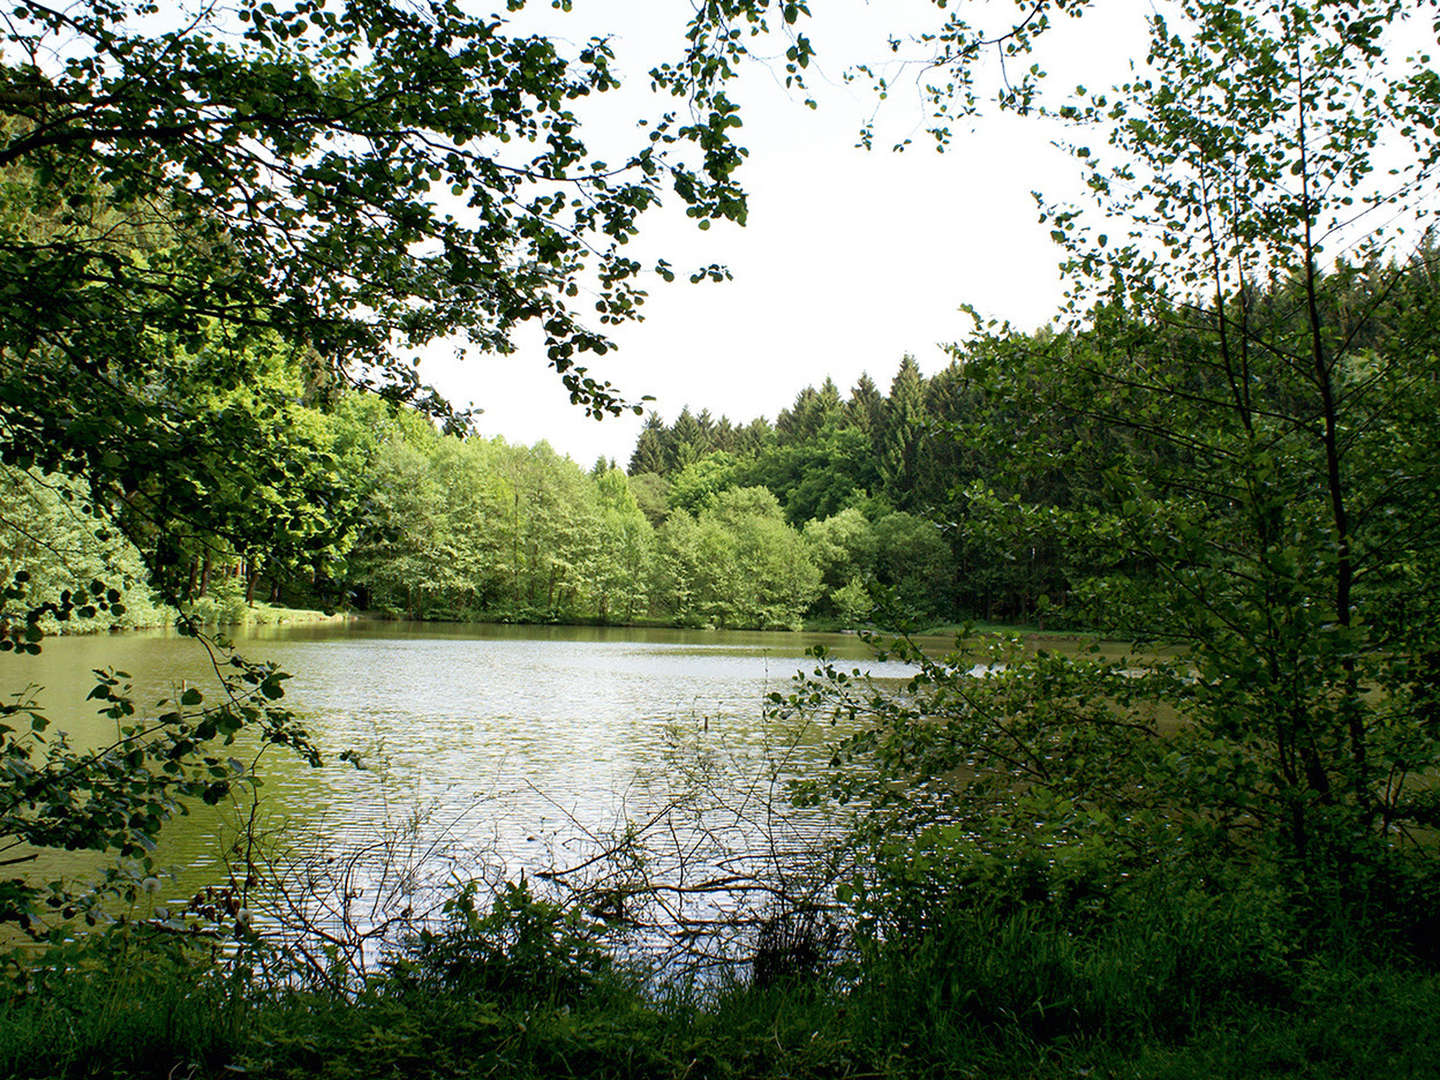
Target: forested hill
x,y
843,502
872,480
982,492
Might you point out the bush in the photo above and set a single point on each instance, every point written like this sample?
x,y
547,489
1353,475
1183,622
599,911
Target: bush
x,y
523,946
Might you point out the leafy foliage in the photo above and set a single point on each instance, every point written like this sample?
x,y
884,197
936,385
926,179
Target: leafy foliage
x,y
1226,455
119,796
521,946
296,162
47,538
736,564
212,223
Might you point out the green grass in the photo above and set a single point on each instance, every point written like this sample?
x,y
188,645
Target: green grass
x,y
1024,629
831,624
1178,986
233,611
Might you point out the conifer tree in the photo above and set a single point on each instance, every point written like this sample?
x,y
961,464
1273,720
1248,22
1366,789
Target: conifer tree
x,y
688,441
902,432
649,455
866,408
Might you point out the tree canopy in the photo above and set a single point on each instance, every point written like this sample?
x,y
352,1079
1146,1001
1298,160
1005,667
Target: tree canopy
x,y
210,217
1229,440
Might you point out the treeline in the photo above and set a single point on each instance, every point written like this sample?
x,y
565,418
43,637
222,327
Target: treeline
x,y
843,503
881,486
401,518
762,526
471,528
958,496
984,492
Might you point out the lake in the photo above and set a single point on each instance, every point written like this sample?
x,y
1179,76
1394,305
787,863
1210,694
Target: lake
x,y
489,751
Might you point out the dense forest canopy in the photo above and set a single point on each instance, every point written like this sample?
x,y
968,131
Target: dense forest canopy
x,y
186,207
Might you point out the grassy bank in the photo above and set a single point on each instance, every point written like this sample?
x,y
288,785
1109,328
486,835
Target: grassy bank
x,y
1171,986
825,625
209,612
225,612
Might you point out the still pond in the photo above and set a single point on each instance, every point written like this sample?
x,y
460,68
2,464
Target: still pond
x,y
487,748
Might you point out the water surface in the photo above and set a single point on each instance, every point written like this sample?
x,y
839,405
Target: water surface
x,y
519,748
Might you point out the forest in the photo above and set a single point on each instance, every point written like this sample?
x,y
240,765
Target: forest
x,y
841,504
1209,850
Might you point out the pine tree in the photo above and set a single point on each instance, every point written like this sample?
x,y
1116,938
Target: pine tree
x,y
944,463
649,455
688,442
753,437
902,432
789,425
866,408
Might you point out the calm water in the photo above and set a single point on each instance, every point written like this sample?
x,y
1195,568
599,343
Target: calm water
x,y
487,747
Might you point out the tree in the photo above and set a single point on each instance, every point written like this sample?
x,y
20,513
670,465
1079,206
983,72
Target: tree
x,y
649,455
688,442
651,491
1261,396
311,147
813,411
274,176
735,564
843,546
820,476
754,438
776,580
901,432
408,548
866,407
44,533
626,551
253,179
695,487
1260,491
912,557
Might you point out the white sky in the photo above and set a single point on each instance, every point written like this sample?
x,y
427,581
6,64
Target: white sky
x,y
850,259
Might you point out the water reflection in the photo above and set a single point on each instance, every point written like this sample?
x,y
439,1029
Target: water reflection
x,y
491,748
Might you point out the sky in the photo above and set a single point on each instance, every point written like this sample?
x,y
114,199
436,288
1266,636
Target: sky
x,y
850,259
